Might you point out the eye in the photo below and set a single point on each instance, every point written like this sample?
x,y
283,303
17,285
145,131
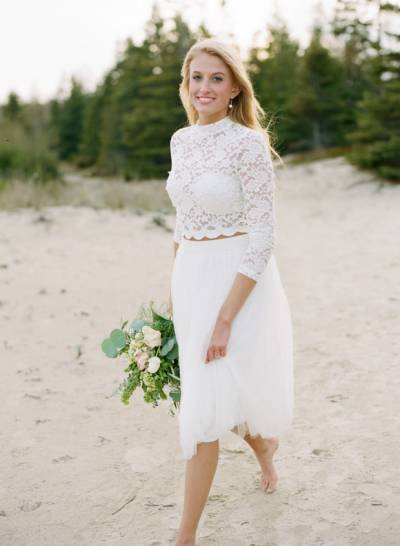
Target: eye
x,y
215,77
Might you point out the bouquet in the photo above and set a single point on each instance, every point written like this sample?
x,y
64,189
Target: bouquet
x,y
150,347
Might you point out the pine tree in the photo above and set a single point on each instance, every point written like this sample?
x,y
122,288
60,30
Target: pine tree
x,y
273,71
319,103
70,121
377,137
98,103
352,31
13,107
158,113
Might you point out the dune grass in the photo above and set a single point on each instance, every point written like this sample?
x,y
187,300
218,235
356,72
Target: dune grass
x,y
75,189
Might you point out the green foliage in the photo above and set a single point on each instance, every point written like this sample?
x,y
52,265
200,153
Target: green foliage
x,y
143,106
114,343
319,102
25,152
380,156
125,341
119,338
343,89
109,348
13,108
377,134
274,75
96,107
70,121
27,163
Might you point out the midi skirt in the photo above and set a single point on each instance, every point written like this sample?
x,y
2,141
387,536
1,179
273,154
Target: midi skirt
x,y
251,387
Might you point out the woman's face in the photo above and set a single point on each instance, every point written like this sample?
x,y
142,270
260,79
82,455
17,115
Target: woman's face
x,y
211,87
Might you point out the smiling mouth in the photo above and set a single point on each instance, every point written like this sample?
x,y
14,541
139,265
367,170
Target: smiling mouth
x,y
205,99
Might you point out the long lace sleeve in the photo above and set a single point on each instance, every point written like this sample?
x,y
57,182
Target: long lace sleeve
x,y
178,223
258,185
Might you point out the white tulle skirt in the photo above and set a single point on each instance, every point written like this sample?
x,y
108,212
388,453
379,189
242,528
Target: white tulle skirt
x,y
251,387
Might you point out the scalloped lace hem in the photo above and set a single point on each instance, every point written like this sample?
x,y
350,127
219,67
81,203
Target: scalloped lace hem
x,y
214,235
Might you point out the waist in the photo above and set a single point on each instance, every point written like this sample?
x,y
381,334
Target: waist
x,y
213,238
228,241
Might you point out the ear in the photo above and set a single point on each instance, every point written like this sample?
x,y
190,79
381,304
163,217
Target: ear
x,y
236,91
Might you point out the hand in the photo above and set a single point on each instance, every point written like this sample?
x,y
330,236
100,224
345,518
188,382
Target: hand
x,y
219,340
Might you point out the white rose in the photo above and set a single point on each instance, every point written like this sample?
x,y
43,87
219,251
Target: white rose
x,y
153,364
152,337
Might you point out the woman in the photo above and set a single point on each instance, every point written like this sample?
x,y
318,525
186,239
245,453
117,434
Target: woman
x,y
231,316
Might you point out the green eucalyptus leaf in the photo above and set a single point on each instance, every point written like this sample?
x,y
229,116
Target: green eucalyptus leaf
x,y
175,395
109,348
118,337
166,348
173,354
137,325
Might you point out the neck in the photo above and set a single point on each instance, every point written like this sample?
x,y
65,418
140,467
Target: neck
x,y
212,118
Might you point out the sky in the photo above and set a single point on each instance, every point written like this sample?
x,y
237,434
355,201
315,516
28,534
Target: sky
x,y
45,42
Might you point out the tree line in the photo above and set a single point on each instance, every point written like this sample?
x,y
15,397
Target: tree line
x,y
341,92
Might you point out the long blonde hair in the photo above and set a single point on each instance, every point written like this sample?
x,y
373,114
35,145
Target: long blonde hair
x,y
245,107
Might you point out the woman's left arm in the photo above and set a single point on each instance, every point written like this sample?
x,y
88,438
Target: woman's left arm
x,y
257,179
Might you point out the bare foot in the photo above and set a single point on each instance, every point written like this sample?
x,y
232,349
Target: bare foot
x,y
264,449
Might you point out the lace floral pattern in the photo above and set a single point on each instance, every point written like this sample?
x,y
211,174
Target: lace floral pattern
x,y
222,181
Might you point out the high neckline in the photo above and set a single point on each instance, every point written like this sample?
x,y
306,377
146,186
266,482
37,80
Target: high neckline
x,y
214,125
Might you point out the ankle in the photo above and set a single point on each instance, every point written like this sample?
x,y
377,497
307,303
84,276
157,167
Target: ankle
x,y
186,538
186,542
263,445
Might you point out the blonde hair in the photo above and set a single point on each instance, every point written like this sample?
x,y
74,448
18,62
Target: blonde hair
x,y
245,107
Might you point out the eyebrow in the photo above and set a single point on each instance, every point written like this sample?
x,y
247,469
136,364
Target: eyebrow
x,y
213,74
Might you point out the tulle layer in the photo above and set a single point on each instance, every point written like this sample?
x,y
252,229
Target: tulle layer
x,y
252,386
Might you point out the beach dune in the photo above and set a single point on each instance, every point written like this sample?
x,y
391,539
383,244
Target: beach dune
x,y
79,467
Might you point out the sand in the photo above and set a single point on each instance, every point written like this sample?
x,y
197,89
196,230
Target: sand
x,y
80,468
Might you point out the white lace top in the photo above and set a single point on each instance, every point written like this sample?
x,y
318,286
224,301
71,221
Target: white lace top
x,y
222,181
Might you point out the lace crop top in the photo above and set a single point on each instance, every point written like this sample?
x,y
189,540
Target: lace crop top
x,y
222,181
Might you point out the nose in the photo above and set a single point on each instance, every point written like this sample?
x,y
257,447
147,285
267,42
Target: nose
x,y
204,87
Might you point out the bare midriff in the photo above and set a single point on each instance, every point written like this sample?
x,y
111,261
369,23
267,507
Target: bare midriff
x,y
213,238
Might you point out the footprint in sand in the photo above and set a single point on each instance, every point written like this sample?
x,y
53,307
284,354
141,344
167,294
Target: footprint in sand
x,y
28,371
34,396
63,459
336,397
30,506
102,441
323,453
217,498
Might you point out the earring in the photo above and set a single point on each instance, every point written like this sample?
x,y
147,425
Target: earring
x,y
230,104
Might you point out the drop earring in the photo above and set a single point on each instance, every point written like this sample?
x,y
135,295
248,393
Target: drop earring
x,y
230,104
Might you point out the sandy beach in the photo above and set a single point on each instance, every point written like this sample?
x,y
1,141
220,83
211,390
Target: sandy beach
x,y
80,468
